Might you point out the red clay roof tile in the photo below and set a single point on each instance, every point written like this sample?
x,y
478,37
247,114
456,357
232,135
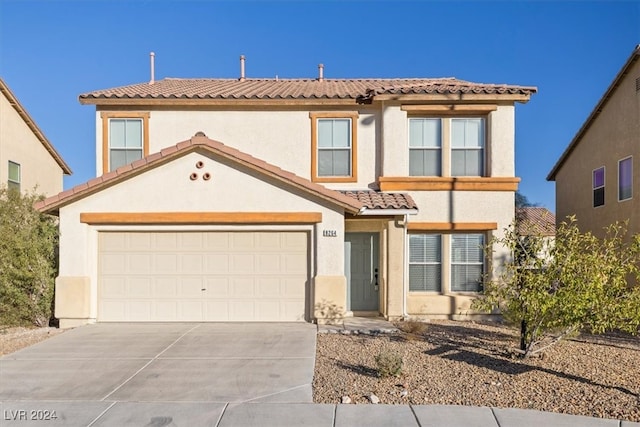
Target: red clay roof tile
x,y
535,220
275,89
377,200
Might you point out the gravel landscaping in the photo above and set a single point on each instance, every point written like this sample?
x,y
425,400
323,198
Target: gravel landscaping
x,y
466,363
14,338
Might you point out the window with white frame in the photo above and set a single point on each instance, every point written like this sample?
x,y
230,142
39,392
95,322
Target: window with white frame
x,y
334,147
425,262
425,147
467,262
13,181
467,147
125,141
598,187
625,179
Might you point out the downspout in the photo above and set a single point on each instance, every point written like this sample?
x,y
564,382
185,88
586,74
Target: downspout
x,y
405,266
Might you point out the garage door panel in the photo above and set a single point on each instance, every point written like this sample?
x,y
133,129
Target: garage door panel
x,y
194,276
242,263
165,242
216,264
139,241
268,263
192,263
164,264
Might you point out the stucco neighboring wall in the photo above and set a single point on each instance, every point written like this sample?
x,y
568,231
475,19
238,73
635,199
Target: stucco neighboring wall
x,y
18,144
612,136
281,137
170,189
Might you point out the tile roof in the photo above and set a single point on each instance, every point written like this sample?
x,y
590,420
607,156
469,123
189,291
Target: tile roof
x,y
202,143
282,89
535,220
376,200
11,98
635,56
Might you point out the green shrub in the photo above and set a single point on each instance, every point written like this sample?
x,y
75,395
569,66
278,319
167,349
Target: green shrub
x,y
28,242
389,364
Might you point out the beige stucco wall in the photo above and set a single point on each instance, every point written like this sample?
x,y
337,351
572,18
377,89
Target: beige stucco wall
x,y
459,207
18,144
169,189
282,138
613,135
500,141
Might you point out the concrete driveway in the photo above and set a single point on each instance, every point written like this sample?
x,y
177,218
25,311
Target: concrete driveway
x,y
94,366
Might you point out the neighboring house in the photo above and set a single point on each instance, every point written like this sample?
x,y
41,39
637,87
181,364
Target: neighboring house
x,y
535,221
28,161
596,179
287,199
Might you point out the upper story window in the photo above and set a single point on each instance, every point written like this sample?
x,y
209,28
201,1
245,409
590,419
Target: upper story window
x,y
13,181
467,262
333,140
467,147
425,147
447,146
598,187
625,179
125,139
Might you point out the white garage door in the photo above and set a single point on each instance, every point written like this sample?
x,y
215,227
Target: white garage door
x,y
202,276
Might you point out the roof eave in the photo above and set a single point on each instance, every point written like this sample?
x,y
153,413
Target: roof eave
x,y
594,113
522,98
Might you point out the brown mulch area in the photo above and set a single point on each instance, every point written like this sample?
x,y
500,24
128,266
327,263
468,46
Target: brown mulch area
x,y
466,363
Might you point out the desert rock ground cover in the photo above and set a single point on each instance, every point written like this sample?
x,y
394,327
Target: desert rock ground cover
x,y
464,363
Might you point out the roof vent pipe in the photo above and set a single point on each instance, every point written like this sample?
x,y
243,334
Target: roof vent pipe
x,y
242,78
320,72
153,73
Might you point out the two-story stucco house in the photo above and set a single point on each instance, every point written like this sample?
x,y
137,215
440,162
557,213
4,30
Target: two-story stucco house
x,y
28,161
287,199
595,177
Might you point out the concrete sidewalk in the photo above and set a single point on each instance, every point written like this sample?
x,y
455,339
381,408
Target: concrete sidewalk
x,y
115,413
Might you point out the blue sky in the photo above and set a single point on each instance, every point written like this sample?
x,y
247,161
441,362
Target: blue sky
x,y
52,51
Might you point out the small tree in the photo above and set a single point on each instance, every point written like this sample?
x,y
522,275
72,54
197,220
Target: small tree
x,y
28,241
577,283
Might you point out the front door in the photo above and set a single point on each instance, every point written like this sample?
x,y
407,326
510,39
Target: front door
x,y
361,265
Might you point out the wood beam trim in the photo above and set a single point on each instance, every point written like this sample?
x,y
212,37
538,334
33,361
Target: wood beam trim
x,y
448,184
182,218
452,226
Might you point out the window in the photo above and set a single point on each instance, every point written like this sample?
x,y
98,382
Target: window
x,y
467,147
625,179
467,262
425,257
333,147
598,187
13,183
425,147
125,139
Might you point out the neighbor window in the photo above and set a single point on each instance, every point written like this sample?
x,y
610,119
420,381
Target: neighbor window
x,y
467,262
598,187
625,179
467,147
425,262
425,147
13,182
125,139
334,148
